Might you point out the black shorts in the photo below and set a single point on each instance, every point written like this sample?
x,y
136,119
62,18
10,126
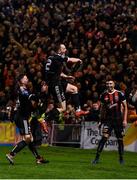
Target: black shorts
x,y
57,91
118,129
64,84
22,124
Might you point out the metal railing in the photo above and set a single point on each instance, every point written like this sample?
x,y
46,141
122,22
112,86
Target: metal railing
x,y
65,134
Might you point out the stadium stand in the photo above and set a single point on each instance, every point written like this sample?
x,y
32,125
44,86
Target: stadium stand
x,y
103,33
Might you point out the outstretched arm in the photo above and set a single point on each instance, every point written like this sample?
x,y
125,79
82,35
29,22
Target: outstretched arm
x,y
74,60
67,77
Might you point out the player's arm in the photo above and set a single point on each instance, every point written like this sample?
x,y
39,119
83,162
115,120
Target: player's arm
x,y
102,115
63,75
102,112
124,103
74,60
34,100
43,123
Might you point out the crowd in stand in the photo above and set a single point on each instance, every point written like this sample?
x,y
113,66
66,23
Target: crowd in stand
x,y
103,33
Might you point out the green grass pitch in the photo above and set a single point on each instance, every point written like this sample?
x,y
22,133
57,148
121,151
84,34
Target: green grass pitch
x,y
68,163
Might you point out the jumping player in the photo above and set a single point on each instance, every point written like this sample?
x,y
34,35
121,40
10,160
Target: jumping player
x,y
58,87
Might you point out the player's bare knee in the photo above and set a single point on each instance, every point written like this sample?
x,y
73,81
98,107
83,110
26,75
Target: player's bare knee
x,y
62,107
72,89
27,138
75,89
61,110
105,133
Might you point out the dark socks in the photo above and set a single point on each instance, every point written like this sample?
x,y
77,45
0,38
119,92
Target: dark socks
x,y
120,148
101,146
33,149
76,101
21,145
18,148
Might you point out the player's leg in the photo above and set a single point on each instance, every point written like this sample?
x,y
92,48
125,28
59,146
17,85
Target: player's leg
x,y
73,90
60,100
106,134
15,150
119,134
33,149
27,139
21,124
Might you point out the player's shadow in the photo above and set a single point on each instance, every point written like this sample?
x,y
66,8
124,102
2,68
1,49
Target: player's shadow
x,y
132,166
97,167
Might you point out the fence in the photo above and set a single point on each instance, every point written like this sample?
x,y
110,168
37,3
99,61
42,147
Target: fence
x,y
87,136
66,134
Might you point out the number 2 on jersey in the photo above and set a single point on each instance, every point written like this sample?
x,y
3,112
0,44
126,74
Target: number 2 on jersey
x,y
48,63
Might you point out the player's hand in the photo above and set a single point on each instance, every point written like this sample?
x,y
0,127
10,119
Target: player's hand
x,y
99,125
80,61
124,124
72,78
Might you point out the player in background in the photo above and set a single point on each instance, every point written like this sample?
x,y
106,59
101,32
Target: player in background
x,y
133,97
113,117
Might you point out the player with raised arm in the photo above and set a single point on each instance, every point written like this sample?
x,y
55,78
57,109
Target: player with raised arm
x,y
56,87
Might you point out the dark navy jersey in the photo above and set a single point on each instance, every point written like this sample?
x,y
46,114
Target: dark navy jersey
x,y
24,101
53,68
112,103
133,99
